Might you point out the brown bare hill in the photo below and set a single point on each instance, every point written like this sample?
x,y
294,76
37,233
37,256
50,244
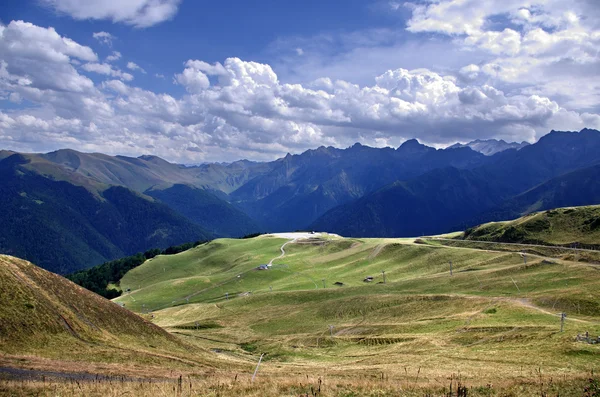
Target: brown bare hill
x,y
44,314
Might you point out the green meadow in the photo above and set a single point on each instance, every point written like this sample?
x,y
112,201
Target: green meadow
x,y
494,319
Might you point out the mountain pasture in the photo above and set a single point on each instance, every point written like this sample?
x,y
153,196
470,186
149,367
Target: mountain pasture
x,y
495,319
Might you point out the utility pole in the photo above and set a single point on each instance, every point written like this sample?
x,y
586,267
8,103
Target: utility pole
x,y
513,280
563,316
257,365
323,280
451,268
383,272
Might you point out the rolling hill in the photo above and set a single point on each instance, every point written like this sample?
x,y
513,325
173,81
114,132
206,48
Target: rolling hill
x,y
314,311
43,313
575,226
338,313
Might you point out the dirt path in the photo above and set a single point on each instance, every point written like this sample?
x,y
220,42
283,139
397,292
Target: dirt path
x,y
376,251
212,286
529,255
513,244
527,303
283,254
282,250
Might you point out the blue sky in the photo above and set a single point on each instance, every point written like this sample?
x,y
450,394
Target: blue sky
x,y
249,30
195,81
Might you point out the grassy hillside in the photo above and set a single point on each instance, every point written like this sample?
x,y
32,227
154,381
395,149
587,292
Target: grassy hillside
x,y
577,226
42,314
494,319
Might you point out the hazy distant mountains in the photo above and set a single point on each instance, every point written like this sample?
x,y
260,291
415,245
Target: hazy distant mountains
x,y
489,147
82,208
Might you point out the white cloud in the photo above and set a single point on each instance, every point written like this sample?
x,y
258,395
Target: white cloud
x,y
107,69
104,38
115,56
193,80
239,109
299,51
546,36
138,13
469,72
43,44
194,77
134,66
36,62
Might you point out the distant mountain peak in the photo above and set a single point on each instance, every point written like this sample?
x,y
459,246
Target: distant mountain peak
x,y
411,142
489,147
555,136
151,158
414,146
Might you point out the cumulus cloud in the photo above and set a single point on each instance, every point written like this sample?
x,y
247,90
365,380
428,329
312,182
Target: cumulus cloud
x,y
194,77
543,37
104,38
134,66
469,72
107,69
238,108
35,61
114,56
138,13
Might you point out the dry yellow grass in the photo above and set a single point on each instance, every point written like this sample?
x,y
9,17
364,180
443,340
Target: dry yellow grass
x,y
492,325
221,385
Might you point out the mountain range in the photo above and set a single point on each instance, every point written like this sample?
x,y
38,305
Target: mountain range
x,y
86,208
489,147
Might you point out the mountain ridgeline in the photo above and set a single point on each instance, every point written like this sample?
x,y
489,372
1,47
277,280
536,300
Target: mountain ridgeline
x,y
83,209
64,227
577,227
562,169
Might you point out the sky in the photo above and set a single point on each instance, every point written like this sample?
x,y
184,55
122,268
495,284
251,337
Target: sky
x,y
195,81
